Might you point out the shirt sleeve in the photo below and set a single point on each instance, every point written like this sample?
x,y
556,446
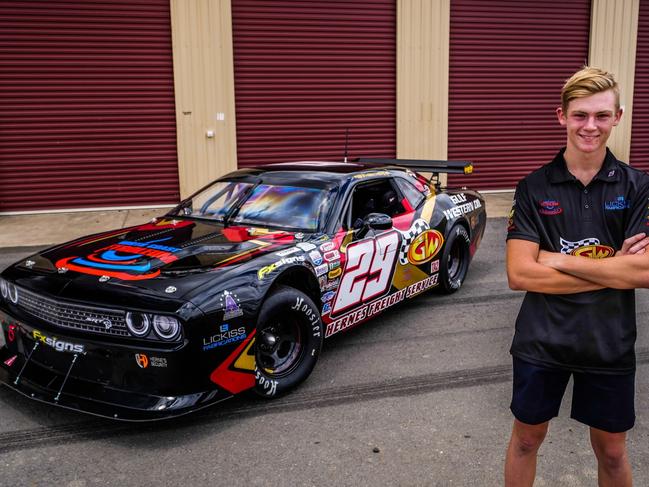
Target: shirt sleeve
x,y
521,223
638,220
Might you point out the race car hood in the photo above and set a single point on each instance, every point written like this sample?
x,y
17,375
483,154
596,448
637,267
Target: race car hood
x,y
153,256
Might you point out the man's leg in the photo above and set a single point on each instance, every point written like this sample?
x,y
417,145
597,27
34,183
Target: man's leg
x,y
520,463
613,468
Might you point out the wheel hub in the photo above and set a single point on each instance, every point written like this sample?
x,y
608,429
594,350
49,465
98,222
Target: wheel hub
x,y
268,341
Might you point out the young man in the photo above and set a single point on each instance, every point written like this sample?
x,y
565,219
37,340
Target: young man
x,y
576,243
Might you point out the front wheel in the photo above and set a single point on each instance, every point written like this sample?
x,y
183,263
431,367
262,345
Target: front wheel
x,y
289,341
454,263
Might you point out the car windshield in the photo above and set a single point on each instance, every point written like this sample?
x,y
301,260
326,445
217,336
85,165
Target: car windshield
x,y
265,205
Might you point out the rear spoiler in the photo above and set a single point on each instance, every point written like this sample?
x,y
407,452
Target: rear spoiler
x,y
433,167
451,167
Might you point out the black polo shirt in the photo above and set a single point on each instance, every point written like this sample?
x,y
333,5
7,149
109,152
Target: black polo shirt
x,y
589,331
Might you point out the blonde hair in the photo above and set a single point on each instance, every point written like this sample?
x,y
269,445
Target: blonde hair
x,y
589,81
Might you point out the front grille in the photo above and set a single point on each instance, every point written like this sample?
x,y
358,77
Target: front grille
x,y
73,316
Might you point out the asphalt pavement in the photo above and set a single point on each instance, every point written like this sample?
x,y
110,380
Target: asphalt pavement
x,y
418,396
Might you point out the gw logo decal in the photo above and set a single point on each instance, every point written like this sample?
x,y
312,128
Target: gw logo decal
x,y
587,247
425,246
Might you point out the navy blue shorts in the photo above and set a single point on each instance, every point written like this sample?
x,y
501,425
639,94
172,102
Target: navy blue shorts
x,y
603,401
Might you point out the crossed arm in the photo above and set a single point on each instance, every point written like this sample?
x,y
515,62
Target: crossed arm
x,y
532,269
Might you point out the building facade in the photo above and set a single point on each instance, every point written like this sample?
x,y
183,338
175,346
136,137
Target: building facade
x,y
138,103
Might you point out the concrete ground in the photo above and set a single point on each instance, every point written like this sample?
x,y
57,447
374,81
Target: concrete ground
x,y
52,228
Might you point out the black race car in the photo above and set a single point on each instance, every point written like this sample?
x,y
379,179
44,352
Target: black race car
x,y
234,289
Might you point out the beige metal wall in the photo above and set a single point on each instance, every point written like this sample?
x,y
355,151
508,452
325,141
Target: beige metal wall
x,y
204,85
422,78
613,36
204,79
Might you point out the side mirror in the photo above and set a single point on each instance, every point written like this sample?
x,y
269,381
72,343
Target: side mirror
x,y
374,221
378,221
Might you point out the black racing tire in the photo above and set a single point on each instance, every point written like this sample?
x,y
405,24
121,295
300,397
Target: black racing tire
x,y
288,342
454,263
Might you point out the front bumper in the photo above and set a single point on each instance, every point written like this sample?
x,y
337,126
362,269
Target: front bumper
x,y
99,378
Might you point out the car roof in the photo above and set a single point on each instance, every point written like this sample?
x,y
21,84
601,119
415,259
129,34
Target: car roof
x,y
304,171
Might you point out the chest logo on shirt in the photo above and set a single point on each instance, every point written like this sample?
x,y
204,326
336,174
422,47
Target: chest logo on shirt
x,y
550,207
620,203
587,247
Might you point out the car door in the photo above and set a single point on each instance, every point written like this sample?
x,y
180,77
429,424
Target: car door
x,y
371,254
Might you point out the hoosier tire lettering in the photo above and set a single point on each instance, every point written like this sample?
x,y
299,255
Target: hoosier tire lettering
x,y
288,343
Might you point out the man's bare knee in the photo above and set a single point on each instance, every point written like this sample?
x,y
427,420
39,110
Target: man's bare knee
x,y
528,438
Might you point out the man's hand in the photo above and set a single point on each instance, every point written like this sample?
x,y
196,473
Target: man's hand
x,y
637,244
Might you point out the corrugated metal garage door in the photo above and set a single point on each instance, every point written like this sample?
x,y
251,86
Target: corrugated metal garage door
x,y
87,118
508,62
307,71
639,156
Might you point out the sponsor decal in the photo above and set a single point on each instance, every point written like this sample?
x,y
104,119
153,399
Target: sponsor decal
x,y
329,285
458,199
370,174
611,173
128,260
284,261
334,265
328,296
434,266
331,255
316,257
230,302
171,289
335,273
326,308
10,361
323,281
289,251
299,236
304,245
104,279
321,270
620,203
550,207
141,360
225,336
461,209
374,307
30,263
327,246
425,246
56,344
418,227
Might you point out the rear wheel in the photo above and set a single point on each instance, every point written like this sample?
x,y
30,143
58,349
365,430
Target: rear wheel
x,y
454,263
289,341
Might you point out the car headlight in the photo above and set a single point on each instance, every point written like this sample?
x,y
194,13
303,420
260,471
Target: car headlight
x,y
138,324
9,291
166,327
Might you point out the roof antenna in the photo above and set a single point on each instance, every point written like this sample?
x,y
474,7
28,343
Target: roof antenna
x,y
346,140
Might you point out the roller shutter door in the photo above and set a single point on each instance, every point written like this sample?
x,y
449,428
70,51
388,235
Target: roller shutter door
x,y
88,117
639,156
308,71
508,62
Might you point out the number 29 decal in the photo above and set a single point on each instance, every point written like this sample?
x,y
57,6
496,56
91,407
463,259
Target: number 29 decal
x,y
368,271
